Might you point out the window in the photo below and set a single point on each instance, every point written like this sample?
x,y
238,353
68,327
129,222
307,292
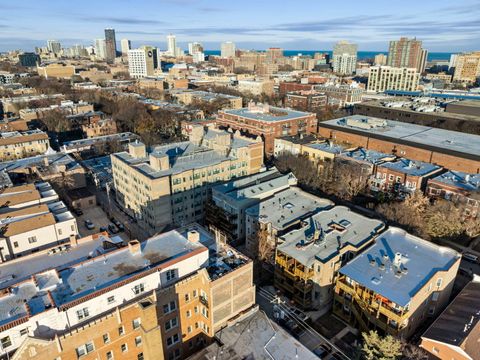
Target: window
x,y
170,275
59,231
140,356
106,338
195,294
171,323
431,311
32,239
138,289
173,340
205,312
136,323
187,297
82,313
189,329
196,309
109,355
168,308
85,349
15,244
6,342
435,295
111,299
439,282
124,348
121,331
138,341
189,313
23,331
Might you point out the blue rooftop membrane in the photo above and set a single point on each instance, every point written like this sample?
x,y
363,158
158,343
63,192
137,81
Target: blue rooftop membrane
x,y
411,167
327,147
275,114
469,182
369,156
419,259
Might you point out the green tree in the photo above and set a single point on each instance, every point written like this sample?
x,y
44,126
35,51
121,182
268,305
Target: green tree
x,y
376,347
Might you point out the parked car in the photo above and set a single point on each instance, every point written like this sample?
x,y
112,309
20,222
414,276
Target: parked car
x,y
112,229
89,225
299,314
470,257
78,211
103,229
118,224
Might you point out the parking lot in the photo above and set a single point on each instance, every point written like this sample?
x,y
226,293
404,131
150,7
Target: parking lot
x,y
98,217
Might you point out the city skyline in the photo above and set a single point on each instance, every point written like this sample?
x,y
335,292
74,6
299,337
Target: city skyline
x,y
441,26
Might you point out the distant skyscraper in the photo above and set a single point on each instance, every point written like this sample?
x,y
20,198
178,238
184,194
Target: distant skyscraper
x,y
171,45
125,45
54,46
110,45
380,60
467,67
274,53
406,53
453,60
344,58
382,78
195,47
29,59
142,62
100,49
228,49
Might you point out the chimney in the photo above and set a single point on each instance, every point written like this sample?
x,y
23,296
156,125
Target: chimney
x,y
193,236
134,247
397,261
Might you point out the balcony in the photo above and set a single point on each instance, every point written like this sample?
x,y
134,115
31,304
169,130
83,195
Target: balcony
x,y
370,305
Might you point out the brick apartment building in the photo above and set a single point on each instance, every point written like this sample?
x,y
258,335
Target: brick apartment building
x,y
450,149
306,100
458,187
403,176
268,122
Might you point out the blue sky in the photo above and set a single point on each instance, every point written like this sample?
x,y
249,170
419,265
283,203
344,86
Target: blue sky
x,y
443,25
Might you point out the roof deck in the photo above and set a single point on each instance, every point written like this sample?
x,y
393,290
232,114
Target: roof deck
x,y
324,234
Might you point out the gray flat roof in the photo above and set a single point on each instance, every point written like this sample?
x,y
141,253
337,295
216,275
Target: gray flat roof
x,y
287,207
38,161
244,196
338,228
85,276
275,114
421,259
257,337
412,133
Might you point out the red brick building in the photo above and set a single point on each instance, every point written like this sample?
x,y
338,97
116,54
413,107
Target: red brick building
x,y
306,100
403,176
286,87
268,122
458,187
450,149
